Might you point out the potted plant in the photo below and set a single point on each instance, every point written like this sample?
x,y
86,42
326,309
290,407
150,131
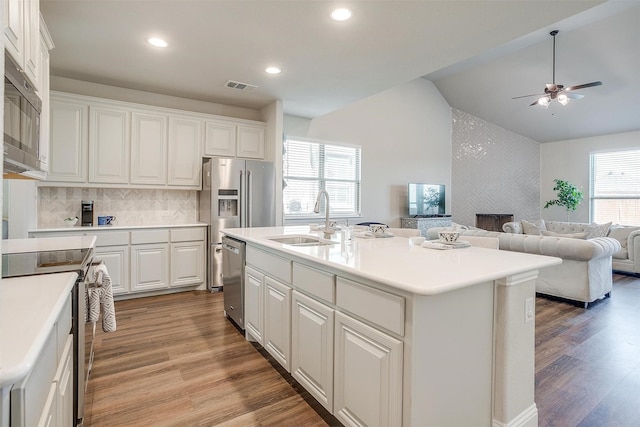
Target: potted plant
x,y
569,196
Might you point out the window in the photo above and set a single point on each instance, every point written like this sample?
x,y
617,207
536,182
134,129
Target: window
x,y
309,167
615,187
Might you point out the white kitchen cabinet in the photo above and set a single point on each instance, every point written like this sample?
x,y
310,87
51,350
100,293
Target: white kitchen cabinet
x,y
184,161
64,386
148,148
116,259
312,325
250,142
46,44
149,266
187,263
368,375
253,303
68,141
277,321
219,138
234,139
109,144
22,36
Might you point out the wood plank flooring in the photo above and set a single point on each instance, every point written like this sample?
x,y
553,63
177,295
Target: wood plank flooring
x,y
176,361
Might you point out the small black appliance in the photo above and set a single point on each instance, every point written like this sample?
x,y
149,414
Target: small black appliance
x,y
87,212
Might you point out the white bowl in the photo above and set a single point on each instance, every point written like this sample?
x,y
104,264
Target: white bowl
x,y
417,240
70,222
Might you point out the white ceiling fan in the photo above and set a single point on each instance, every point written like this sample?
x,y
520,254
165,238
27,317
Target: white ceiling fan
x,y
555,91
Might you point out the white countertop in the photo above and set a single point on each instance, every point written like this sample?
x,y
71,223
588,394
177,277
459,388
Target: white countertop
x,y
78,228
397,263
29,307
44,244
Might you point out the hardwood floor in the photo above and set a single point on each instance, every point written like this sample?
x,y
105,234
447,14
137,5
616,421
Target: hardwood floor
x,y
176,361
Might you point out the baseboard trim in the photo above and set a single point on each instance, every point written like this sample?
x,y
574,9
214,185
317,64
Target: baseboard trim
x,y
527,418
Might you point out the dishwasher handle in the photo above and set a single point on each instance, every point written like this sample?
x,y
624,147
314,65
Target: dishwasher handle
x,y
231,248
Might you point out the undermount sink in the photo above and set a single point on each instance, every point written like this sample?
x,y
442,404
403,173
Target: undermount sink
x,y
296,240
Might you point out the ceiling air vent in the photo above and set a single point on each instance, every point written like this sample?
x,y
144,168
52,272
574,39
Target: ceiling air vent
x,y
240,86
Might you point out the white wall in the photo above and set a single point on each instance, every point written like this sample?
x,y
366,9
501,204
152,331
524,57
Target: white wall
x,y
405,135
569,160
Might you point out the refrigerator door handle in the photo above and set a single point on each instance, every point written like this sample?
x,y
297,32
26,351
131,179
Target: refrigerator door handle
x,y
243,209
249,200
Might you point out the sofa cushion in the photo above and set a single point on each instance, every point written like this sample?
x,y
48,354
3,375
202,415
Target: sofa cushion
x,y
621,234
533,227
569,235
599,230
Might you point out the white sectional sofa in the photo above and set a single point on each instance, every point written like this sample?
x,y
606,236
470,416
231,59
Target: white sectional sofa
x,y
625,260
585,273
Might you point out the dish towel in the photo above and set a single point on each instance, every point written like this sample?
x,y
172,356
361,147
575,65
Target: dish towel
x,y
100,295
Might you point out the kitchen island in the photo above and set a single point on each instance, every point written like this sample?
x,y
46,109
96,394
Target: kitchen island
x,y
382,332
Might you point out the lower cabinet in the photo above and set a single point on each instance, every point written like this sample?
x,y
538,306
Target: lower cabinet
x,y
187,263
116,259
277,321
64,386
149,266
368,375
253,303
312,347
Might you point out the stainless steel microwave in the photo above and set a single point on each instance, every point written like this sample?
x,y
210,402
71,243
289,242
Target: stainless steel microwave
x,y
22,108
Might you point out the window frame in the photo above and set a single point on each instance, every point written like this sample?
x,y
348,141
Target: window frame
x,y
322,179
593,197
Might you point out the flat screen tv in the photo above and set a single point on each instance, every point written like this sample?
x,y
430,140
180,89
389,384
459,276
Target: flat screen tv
x,y
426,200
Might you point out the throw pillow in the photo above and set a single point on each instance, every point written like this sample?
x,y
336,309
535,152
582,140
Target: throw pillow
x,y
599,230
533,227
570,235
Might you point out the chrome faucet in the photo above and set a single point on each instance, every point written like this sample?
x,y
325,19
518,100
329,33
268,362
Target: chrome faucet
x,y
328,230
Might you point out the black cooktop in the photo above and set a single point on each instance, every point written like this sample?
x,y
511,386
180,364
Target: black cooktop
x,y
60,261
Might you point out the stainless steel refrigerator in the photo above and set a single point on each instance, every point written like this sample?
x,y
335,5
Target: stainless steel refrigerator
x,y
235,193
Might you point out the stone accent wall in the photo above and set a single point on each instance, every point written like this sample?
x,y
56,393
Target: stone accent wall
x,y
493,171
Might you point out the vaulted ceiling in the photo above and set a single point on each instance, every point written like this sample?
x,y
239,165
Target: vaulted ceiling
x,y
479,54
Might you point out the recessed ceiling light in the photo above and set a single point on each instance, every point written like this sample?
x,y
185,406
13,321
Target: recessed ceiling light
x,y
341,14
158,42
273,70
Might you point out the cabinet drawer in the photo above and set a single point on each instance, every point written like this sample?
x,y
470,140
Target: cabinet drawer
x,y
314,282
382,308
187,234
149,236
112,238
63,327
273,265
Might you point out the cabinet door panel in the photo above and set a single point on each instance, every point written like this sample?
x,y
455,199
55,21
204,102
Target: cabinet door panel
x,y
253,305
368,375
68,142
187,263
277,321
14,29
148,148
219,139
250,142
312,347
184,151
32,41
109,145
116,259
149,267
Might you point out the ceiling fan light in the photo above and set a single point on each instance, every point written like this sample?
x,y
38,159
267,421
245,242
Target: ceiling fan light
x,y
563,99
544,101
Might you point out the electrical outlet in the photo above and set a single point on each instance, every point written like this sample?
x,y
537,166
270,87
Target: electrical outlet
x,y
529,310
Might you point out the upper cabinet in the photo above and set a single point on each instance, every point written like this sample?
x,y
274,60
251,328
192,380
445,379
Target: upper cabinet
x,y
234,139
22,36
96,142
46,44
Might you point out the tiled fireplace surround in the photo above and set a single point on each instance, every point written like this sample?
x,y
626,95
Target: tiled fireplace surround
x,y
129,206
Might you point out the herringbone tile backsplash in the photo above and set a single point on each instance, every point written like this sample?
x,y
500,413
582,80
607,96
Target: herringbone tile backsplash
x,y
129,206
493,171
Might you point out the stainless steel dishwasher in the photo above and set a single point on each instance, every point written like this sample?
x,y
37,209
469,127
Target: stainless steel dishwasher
x,y
233,256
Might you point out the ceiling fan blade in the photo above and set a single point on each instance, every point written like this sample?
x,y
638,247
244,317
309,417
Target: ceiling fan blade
x,y
571,95
534,103
583,86
526,96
